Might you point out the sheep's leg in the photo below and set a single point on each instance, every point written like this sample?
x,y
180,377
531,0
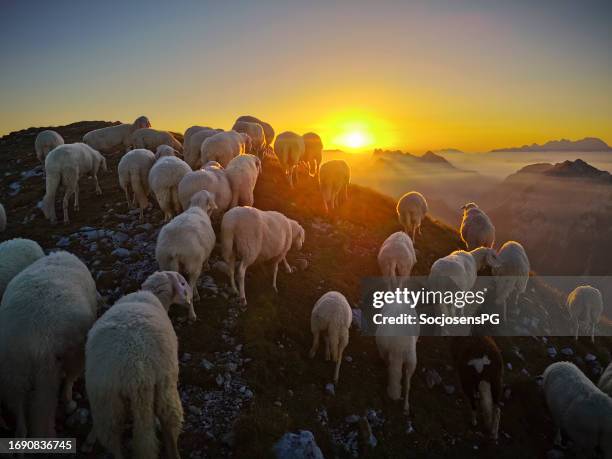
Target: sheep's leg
x,y
74,362
327,350
65,206
97,184
274,273
341,346
232,274
90,441
394,375
44,403
76,196
414,228
241,273
287,267
170,415
145,438
577,330
315,344
127,197
593,332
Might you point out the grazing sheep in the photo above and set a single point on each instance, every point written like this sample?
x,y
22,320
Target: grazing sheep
x,y
268,131
396,257
458,271
289,148
185,244
585,305
579,409
411,210
334,177
113,138
332,314
481,370
255,132
164,177
65,165
398,350
45,142
192,150
152,138
605,382
223,147
133,169
512,275
313,152
15,256
165,150
250,235
132,370
2,218
477,230
212,179
45,314
242,173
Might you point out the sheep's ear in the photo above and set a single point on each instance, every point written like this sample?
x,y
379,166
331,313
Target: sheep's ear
x,y
493,260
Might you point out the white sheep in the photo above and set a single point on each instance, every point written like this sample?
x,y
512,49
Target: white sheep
x,y
132,370
223,147
164,177
411,210
331,314
512,275
251,235
242,173
192,147
579,409
133,170
2,218
585,305
268,131
211,178
45,142
65,165
255,132
152,138
477,230
289,148
16,255
165,150
396,257
45,314
313,152
189,132
334,178
186,242
113,138
458,271
605,382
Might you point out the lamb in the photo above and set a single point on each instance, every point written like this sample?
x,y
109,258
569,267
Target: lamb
x,y
512,275
332,314
242,173
255,132
268,131
223,147
132,369
585,305
481,369
289,148
458,271
411,210
313,152
2,218
192,146
152,138
605,382
112,138
251,235
16,255
477,230
164,177
133,170
579,409
45,314
396,257
334,177
211,178
165,150
185,244
65,165
45,142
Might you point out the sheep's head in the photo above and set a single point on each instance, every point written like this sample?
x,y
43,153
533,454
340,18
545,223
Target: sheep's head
x,y
205,200
258,164
171,288
298,235
165,150
469,205
248,142
142,122
486,256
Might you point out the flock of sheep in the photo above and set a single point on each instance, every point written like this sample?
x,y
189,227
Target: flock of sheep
x,y
129,354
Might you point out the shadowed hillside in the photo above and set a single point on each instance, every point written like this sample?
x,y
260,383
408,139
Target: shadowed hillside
x,y
245,376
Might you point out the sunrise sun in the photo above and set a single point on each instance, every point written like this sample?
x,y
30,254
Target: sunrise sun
x,y
355,139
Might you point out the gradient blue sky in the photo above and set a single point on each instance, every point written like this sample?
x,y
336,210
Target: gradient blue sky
x,y
416,75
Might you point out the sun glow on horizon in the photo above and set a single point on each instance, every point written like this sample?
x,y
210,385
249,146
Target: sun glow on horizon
x,y
354,131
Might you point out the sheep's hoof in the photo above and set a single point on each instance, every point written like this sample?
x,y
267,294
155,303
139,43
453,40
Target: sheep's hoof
x,y
71,405
311,354
243,302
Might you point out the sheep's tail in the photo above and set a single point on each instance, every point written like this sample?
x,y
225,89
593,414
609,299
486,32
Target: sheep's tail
x,y
486,403
52,182
142,402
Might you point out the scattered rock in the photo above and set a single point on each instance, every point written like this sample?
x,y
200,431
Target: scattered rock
x,y
352,419
590,358
195,410
567,351
330,389
120,252
449,389
552,352
207,365
432,378
555,454
297,446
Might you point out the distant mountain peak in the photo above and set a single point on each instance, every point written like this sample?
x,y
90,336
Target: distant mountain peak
x,y
586,144
431,157
570,169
